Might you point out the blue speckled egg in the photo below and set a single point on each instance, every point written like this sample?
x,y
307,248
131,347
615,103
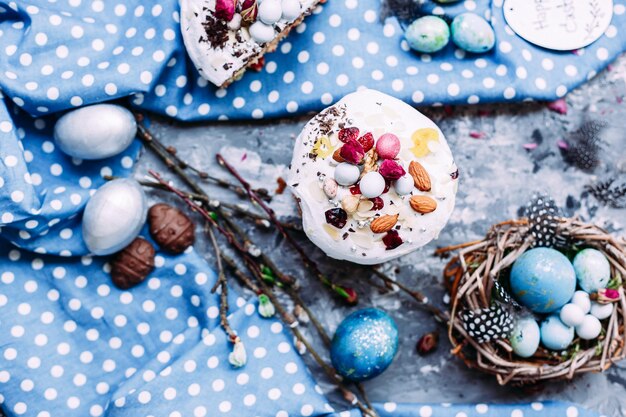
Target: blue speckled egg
x,y
555,335
593,271
428,34
472,33
543,280
364,344
525,337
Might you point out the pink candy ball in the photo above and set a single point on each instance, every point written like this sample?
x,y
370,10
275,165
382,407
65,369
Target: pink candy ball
x,y
388,146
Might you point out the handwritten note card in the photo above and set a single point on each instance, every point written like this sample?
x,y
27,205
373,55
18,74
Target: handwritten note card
x,y
562,25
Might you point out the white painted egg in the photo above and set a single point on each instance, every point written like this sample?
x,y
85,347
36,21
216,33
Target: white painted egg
x,y
601,311
95,132
590,328
291,9
555,335
572,315
261,32
525,337
593,271
270,11
347,174
582,300
404,185
372,184
114,216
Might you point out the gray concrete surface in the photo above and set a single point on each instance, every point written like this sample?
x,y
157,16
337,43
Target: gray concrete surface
x,y
498,175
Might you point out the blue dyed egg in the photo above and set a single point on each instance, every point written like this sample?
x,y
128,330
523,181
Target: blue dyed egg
x,y
543,280
472,33
555,335
525,337
428,34
593,271
364,344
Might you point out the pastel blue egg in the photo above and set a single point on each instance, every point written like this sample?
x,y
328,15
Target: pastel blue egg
x,y
543,280
555,335
364,344
525,337
593,270
472,33
428,34
114,216
95,132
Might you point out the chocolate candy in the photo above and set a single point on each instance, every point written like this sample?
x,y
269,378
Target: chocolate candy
x,y
170,228
133,264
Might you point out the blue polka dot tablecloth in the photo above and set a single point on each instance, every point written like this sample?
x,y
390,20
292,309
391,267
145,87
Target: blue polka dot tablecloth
x,y
56,55
74,345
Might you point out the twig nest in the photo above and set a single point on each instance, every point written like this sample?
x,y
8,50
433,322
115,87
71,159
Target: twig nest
x,y
585,334
133,264
95,132
113,216
170,228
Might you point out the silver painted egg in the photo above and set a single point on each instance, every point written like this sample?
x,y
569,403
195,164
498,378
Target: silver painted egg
x,y
114,216
95,132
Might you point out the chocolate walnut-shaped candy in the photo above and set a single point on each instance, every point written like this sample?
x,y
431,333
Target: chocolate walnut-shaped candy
x,y
133,264
170,228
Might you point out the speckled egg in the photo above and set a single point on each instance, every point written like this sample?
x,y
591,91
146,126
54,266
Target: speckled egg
x,y
95,132
525,337
114,216
472,33
364,344
555,335
601,311
593,271
427,34
571,315
590,328
543,280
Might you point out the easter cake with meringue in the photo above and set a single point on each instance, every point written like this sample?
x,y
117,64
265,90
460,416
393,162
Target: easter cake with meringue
x,y
374,178
225,37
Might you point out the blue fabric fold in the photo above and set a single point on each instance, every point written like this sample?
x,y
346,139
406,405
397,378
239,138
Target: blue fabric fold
x,y
60,55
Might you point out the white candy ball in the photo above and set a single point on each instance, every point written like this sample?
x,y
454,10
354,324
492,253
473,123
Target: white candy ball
x,y
95,132
572,315
114,216
347,174
261,32
270,11
601,311
404,185
582,300
372,184
590,328
291,9
235,22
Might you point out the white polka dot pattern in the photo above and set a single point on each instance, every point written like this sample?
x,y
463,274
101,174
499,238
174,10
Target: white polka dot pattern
x,y
78,52
90,349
